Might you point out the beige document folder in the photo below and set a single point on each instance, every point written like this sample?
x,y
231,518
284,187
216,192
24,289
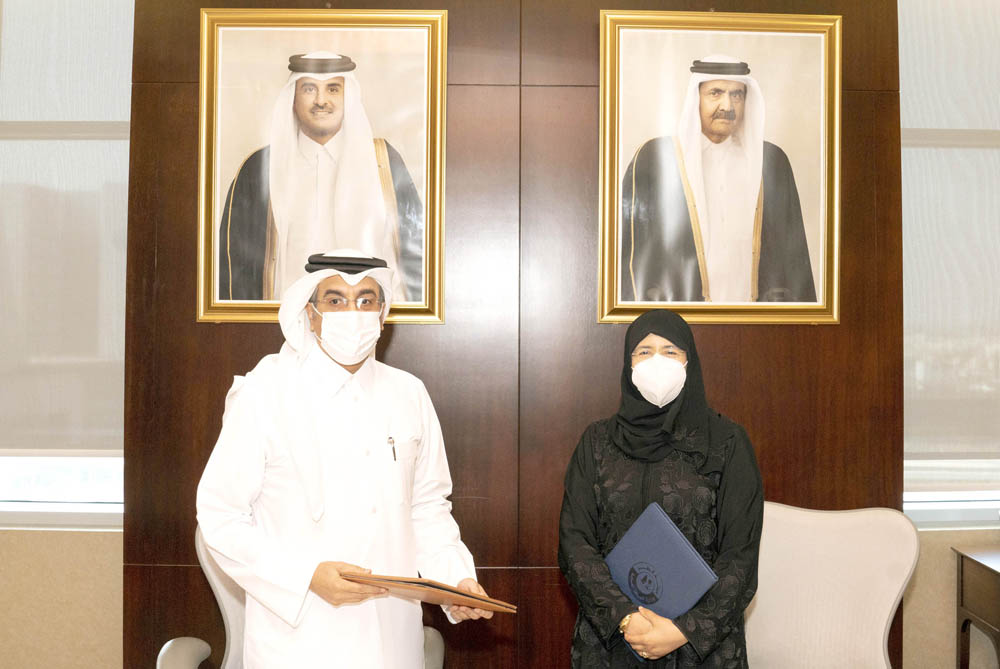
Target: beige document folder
x,y
430,591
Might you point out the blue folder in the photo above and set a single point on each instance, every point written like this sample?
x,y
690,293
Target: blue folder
x,y
657,567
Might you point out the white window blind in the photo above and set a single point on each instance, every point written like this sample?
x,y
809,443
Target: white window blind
x,y
950,117
65,71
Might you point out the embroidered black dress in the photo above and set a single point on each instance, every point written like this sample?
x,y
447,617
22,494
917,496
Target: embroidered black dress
x,y
701,468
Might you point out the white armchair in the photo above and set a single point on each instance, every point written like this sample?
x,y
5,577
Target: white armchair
x,y
829,583
189,652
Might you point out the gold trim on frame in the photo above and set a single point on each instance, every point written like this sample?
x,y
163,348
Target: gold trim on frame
x,y
610,308
431,309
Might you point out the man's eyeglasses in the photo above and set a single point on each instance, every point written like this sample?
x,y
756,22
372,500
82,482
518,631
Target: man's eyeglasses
x,y
343,304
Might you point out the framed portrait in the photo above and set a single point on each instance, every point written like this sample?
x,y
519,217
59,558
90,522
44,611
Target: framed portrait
x,y
319,130
719,166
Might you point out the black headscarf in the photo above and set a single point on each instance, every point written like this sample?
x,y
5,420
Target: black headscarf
x,y
645,431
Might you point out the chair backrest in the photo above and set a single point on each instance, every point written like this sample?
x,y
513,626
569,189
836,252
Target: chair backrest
x,y
232,603
829,583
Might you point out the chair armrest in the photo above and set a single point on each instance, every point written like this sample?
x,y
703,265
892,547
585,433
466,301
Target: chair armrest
x,y
433,648
184,652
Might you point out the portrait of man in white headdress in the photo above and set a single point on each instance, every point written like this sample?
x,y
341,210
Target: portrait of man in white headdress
x,y
711,212
322,181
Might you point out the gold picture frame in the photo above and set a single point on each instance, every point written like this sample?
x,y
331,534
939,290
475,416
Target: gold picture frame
x,y
655,110
398,61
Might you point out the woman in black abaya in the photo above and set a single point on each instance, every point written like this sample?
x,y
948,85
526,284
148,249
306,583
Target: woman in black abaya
x,y
664,445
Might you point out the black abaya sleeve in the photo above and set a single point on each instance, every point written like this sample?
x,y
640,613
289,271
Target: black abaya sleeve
x,y
741,514
601,601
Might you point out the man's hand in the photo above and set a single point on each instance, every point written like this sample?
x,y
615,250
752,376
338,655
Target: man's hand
x,y
327,583
460,613
661,637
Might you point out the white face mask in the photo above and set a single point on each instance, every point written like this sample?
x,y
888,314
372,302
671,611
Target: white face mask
x,y
660,379
349,336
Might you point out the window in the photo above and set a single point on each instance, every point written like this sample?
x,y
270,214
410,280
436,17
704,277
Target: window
x,y
65,70
951,159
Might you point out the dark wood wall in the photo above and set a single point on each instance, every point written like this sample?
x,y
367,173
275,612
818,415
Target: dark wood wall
x,y
521,366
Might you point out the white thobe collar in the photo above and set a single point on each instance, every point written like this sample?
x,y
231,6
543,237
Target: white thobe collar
x,y
728,144
316,172
328,378
310,149
326,386
727,224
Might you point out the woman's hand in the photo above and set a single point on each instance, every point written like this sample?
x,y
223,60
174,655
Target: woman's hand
x,y
659,636
460,613
636,625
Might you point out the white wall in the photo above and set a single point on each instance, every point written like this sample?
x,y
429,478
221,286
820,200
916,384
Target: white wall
x,y
61,595
929,616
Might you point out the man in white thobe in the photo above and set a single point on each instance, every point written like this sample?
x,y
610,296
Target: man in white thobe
x,y
330,462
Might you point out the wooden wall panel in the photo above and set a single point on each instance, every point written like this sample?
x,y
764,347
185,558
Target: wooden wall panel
x,y
887,168
181,370
520,367
824,403
177,371
797,389
469,364
482,44
490,644
570,365
545,618
163,602
560,39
